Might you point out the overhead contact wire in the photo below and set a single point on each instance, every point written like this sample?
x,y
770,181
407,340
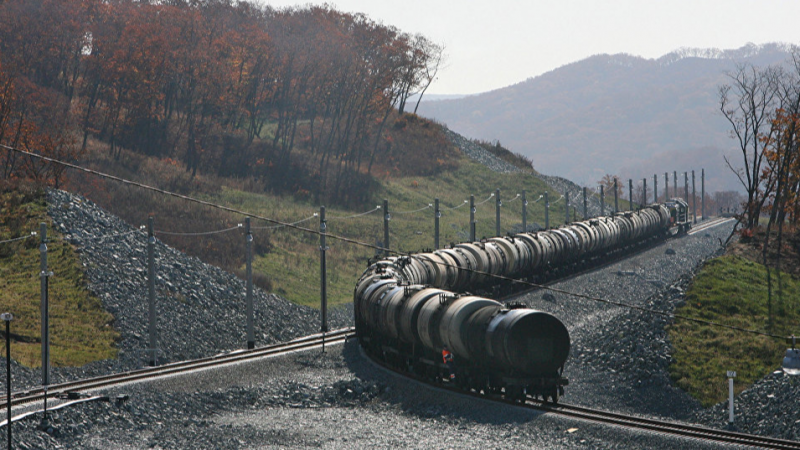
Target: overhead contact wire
x,y
200,233
383,249
115,235
353,216
198,201
281,226
414,211
610,302
487,199
454,207
21,238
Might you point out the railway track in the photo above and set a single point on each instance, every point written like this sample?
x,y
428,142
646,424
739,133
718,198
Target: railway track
x,y
615,419
660,426
63,390
178,368
701,227
711,223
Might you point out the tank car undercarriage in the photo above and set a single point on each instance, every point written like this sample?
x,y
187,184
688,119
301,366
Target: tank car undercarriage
x,y
411,310
428,367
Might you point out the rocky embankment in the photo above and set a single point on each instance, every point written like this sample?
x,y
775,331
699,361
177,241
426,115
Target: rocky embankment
x,y
200,308
338,399
559,186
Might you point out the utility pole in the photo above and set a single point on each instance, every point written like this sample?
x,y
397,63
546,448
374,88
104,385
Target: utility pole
x,y
585,206
497,204
472,218
386,218
655,188
323,270
251,335
151,292
630,192
694,200
546,212
703,193
436,215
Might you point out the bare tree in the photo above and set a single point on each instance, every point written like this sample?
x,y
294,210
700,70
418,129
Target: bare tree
x,y
435,61
749,104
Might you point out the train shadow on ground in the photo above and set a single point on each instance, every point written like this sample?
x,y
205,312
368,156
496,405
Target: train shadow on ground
x,y
427,401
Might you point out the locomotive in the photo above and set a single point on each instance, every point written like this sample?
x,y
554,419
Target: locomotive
x,y
408,309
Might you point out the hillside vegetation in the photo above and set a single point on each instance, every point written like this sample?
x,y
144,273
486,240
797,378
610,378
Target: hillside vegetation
x,y
230,89
732,291
81,331
287,261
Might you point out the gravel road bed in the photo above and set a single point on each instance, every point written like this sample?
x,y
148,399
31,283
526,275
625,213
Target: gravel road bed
x,y
311,400
340,400
200,308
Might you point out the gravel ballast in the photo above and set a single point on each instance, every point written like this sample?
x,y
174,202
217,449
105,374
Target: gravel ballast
x,y
339,399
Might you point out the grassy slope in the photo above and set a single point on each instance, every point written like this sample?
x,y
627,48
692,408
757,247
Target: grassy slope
x,y
80,330
732,291
293,265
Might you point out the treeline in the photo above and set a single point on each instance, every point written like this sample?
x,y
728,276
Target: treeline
x,y
227,88
762,106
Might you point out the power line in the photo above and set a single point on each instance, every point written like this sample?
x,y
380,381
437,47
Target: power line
x,y
115,235
387,250
21,238
281,226
487,199
454,207
198,201
610,302
353,216
201,233
414,211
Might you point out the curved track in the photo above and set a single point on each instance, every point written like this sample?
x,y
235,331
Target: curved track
x,y
178,368
611,418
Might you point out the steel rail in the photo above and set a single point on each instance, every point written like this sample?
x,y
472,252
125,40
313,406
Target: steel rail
x,y
705,225
635,250
611,418
30,396
661,426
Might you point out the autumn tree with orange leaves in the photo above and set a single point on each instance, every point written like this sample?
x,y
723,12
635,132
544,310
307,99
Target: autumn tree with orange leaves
x,y
216,84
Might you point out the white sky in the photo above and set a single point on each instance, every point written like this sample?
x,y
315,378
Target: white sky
x,y
495,43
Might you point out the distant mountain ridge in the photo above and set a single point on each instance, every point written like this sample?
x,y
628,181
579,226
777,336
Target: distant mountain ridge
x,y
617,114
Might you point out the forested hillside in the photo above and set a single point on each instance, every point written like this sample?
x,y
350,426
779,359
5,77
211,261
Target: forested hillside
x,y
618,114
304,100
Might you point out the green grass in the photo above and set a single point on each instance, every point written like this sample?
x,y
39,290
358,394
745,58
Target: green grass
x,y
293,264
80,330
732,291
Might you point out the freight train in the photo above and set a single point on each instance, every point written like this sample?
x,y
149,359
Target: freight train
x,y
409,309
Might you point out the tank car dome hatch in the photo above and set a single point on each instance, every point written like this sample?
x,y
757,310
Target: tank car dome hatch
x,y
791,363
408,308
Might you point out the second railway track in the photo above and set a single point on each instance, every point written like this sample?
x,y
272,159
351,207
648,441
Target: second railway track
x,y
54,390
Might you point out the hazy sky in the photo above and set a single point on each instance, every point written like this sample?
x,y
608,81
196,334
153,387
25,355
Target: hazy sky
x,y
495,43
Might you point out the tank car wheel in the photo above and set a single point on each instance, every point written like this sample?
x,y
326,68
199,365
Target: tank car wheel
x,y
515,393
553,397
